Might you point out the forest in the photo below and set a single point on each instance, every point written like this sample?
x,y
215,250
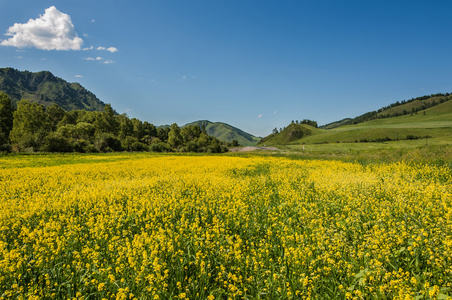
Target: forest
x,y
31,127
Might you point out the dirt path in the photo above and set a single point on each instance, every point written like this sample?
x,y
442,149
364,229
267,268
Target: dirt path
x,y
245,149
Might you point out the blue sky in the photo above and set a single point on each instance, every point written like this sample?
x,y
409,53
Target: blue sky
x,y
254,64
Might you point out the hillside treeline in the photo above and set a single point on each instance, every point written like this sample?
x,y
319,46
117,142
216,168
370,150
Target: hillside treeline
x,y
380,114
32,127
387,112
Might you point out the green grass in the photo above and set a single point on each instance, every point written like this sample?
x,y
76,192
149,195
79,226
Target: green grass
x,y
435,152
24,160
44,159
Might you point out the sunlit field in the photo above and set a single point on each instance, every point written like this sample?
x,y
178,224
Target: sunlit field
x,y
223,227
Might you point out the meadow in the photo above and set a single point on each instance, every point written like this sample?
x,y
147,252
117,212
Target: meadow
x,y
145,226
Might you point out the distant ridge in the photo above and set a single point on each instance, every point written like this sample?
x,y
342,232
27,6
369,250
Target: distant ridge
x,y
227,133
45,88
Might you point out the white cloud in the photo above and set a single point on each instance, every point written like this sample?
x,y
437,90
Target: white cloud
x,y
275,112
111,49
259,116
78,76
89,48
51,31
99,59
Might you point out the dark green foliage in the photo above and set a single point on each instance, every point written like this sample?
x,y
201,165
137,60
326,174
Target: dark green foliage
x,y
174,136
54,142
189,133
412,137
125,126
80,131
148,130
55,115
191,146
160,147
162,133
107,121
131,143
30,125
35,128
377,140
309,122
107,142
6,118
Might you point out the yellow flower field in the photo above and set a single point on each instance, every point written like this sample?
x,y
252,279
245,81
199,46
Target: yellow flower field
x,y
224,227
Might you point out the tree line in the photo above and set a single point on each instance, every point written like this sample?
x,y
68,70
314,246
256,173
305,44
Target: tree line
x,y
32,127
379,115
304,121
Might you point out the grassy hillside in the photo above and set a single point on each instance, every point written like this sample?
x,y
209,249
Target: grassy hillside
x,y
335,124
405,107
227,133
413,106
46,89
434,122
291,133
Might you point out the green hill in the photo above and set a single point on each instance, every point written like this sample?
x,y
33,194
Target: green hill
x,y
227,133
405,107
429,117
46,89
432,122
335,124
413,106
291,133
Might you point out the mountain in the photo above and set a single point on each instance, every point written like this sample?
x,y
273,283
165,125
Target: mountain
x,y
227,133
45,88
